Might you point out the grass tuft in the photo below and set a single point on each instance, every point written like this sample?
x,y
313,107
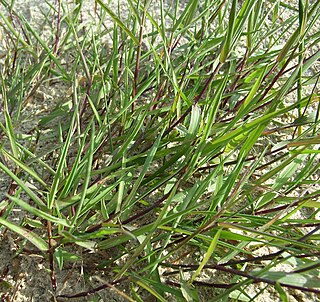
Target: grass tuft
x,y
184,137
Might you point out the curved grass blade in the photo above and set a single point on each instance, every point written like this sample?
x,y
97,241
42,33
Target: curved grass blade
x,y
39,213
207,256
24,187
30,236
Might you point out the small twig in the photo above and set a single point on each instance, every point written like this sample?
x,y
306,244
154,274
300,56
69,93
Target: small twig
x,y
242,274
246,160
137,68
56,44
147,210
93,290
122,294
201,283
13,16
51,252
275,79
280,208
196,100
240,69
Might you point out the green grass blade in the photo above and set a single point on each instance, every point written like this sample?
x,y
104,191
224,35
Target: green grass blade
x,y
207,255
229,36
35,239
61,163
24,167
86,177
23,185
38,212
118,21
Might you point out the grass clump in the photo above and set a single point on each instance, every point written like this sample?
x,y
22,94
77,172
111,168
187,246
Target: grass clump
x,y
181,141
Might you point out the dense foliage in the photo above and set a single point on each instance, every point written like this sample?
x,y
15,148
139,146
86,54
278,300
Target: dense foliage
x,y
183,137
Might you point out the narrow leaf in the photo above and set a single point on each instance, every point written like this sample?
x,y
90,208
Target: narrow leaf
x,y
30,236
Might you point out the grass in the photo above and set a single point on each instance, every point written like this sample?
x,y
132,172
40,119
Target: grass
x,y
187,141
